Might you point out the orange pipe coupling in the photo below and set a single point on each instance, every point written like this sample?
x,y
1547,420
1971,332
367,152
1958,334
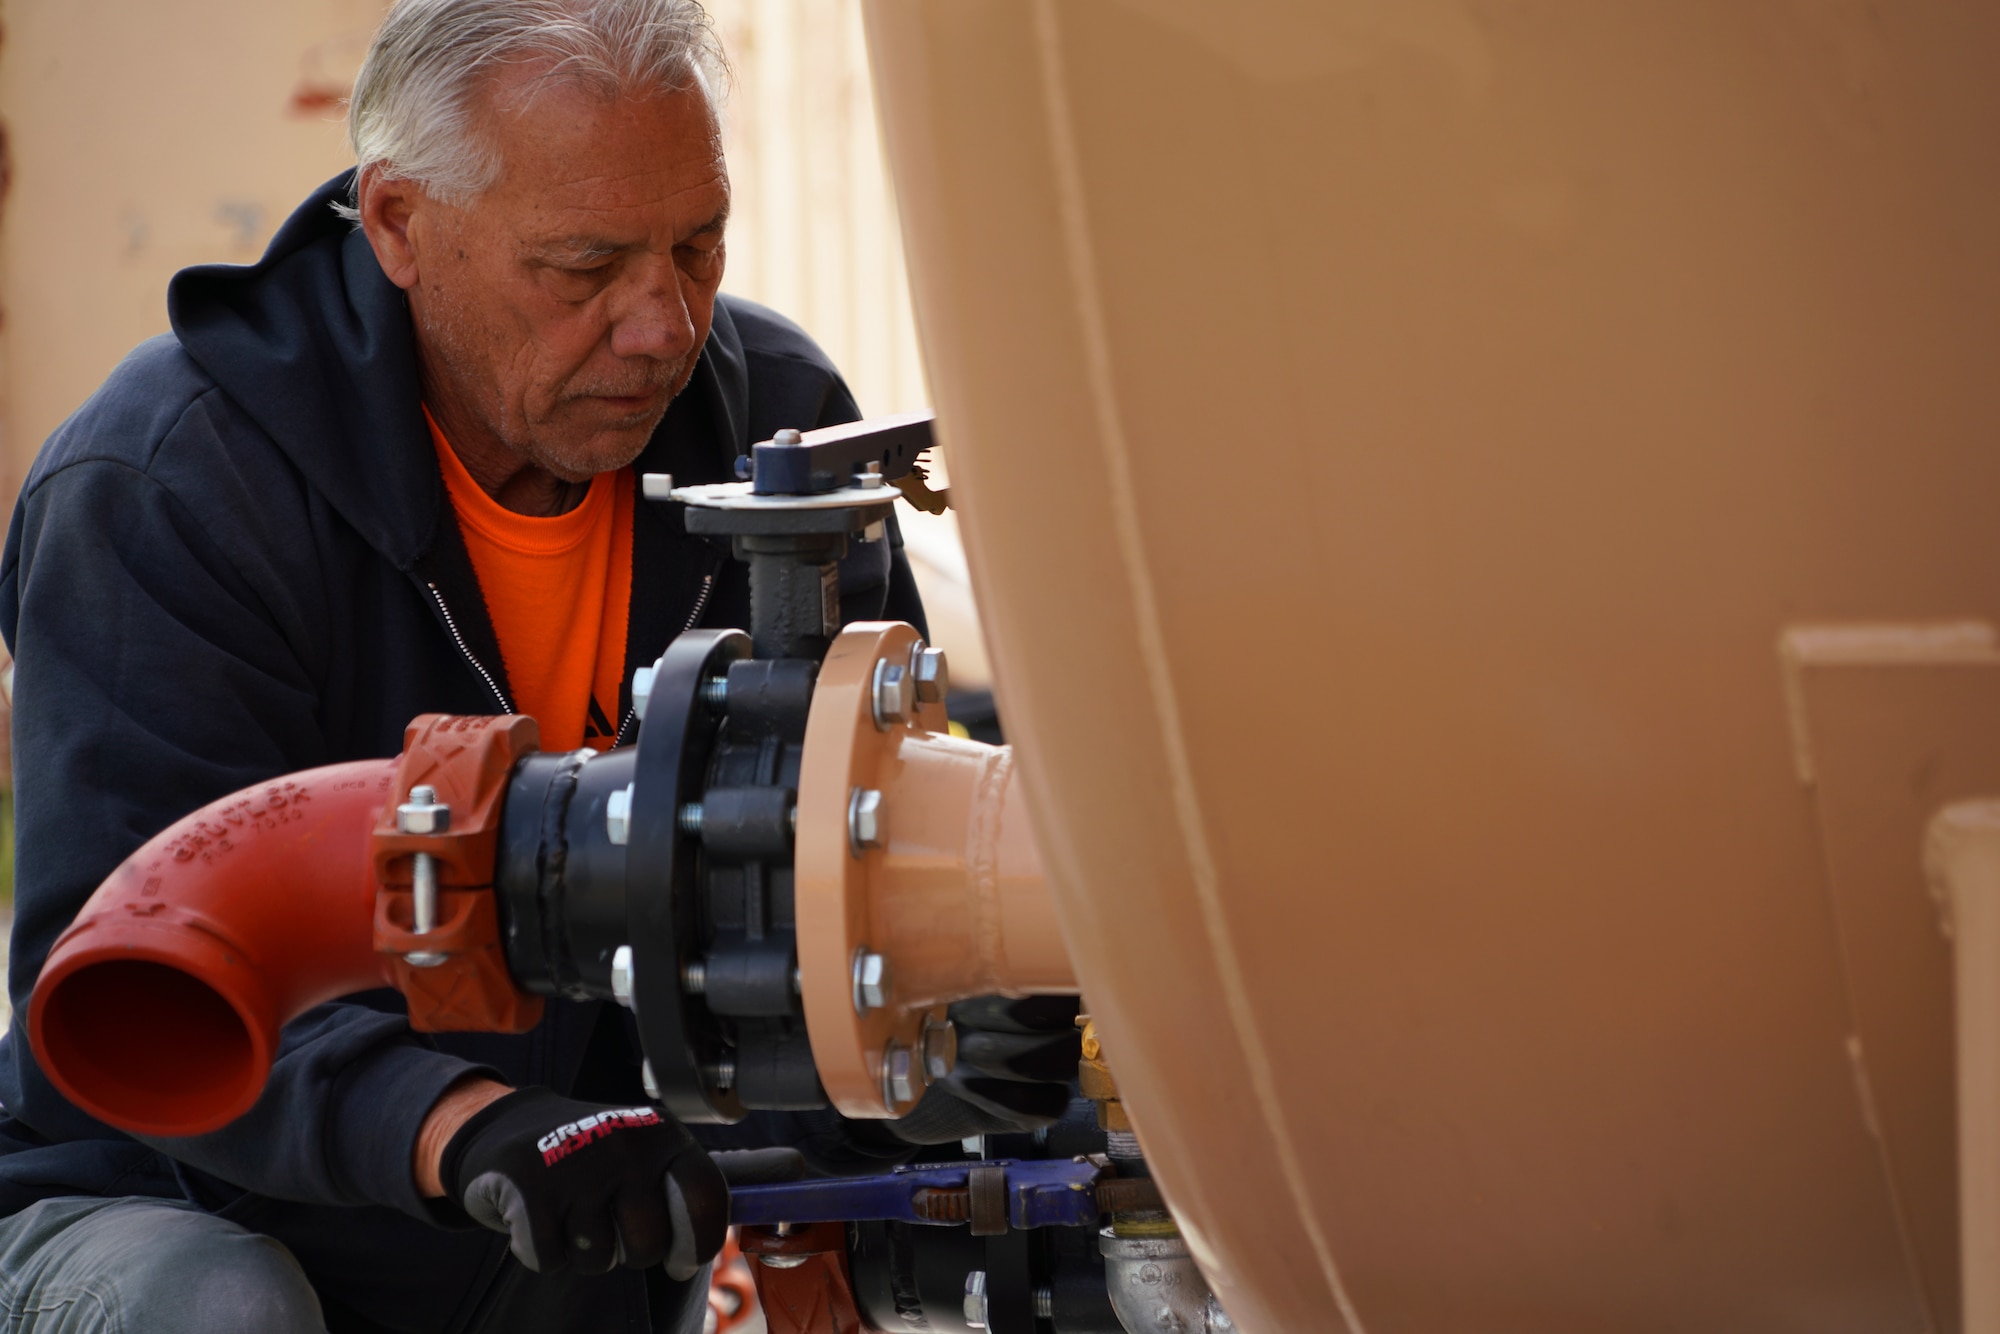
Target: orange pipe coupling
x,y
917,879
159,1010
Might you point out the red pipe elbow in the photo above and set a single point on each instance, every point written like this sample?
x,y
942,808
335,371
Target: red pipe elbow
x,y
159,1009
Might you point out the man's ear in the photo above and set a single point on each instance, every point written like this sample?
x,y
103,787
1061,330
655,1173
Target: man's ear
x,y
387,207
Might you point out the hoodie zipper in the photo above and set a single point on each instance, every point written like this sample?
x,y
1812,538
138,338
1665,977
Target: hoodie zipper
x,y
451,624
700,606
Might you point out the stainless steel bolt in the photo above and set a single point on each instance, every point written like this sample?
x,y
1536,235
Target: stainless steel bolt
x,y
940,1047
781,1261
715,693
871,981
1045,1304
642,690
618,815
902,1075
975,1299
621,975
866,822
694,976
423,814
932,672
872,477
689,819
788,436
894,694
722,1074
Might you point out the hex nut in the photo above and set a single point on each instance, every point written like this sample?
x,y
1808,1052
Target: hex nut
x,y
618,815
642,689
867,820
976,1309
894,695
621,975
423,813
933,675
871,981
901,1079
940,1047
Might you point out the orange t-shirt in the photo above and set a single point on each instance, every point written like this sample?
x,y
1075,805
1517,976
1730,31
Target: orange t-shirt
x,y
559,590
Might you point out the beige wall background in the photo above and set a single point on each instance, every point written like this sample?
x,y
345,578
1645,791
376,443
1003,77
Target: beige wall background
x,y
142,136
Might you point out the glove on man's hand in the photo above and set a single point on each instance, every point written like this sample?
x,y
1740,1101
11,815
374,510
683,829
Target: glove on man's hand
x,y
1016,1059
576,1183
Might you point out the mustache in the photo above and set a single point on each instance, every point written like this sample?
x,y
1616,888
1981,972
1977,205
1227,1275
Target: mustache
x,y
649,379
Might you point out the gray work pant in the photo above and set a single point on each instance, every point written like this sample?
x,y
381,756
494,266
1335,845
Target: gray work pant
x,y
83,1265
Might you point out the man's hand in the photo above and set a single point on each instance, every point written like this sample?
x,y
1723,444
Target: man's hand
x,y
1016,1059
578,1184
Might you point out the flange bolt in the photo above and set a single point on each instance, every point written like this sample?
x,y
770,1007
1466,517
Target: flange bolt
x,y
618,815
866,820
894,694
715,693
642,689
871,981
933,674
940,1047
975,1299
902,1077
621,975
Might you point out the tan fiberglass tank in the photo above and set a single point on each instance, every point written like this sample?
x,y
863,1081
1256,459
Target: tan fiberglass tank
x,y
1393,437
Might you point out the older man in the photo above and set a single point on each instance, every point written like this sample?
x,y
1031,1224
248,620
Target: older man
x,y
390,470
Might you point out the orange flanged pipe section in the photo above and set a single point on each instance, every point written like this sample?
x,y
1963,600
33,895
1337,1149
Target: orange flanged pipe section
x,y
159,1010
939,877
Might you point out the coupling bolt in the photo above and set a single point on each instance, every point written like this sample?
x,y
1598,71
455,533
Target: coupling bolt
x,y
423,814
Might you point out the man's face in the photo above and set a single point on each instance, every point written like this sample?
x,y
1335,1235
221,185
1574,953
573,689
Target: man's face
x,y
566,306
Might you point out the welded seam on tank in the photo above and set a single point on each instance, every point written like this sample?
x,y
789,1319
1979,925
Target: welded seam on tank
x,y
1152,639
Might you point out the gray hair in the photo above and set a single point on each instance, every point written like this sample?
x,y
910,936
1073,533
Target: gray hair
x,y
418,97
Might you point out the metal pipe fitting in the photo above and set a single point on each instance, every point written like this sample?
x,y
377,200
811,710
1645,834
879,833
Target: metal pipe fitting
x,y
1156,1289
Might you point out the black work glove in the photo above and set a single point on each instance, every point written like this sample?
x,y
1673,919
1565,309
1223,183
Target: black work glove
x,y
1016,1062
588,1186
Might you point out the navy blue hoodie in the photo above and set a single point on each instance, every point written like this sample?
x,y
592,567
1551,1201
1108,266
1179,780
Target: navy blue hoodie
x,y
237,560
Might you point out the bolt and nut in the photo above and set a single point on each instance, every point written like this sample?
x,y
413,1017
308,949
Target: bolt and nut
x,y
902,1075
618,816
871,981
975,1299
894,694
715,693
423,814
642,689
931,673
940,1047
867,823
621,975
